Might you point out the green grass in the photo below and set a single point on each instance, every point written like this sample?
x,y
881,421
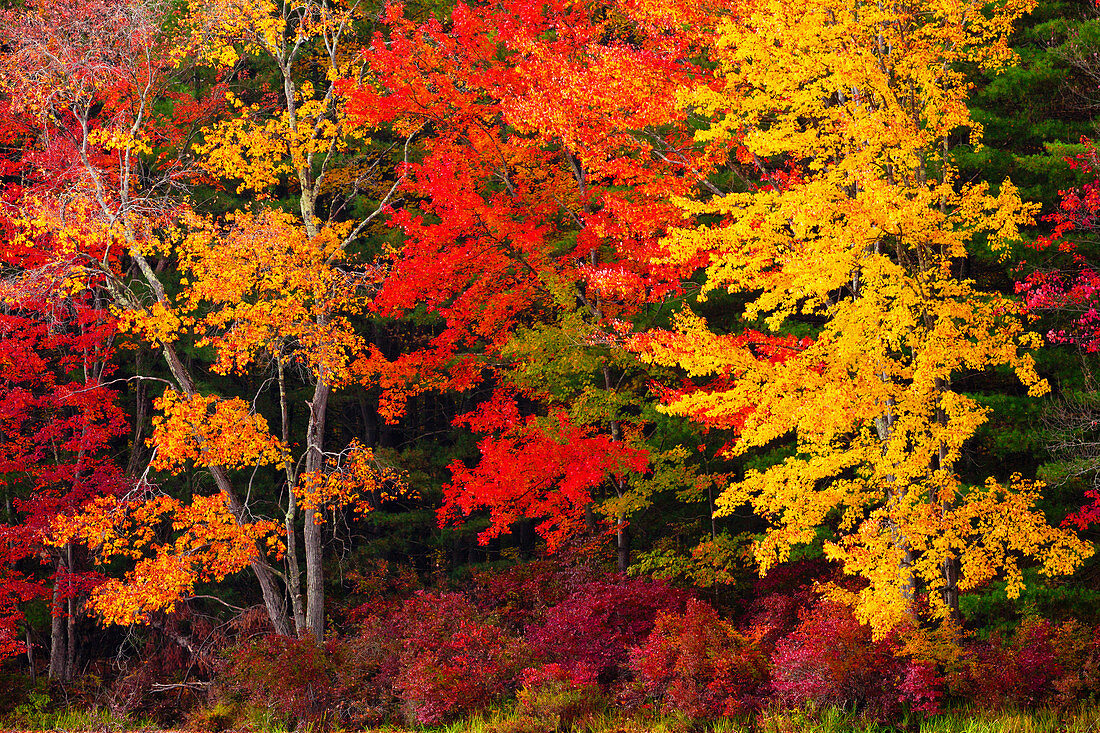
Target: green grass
x,y
35,715
1084,719
73,719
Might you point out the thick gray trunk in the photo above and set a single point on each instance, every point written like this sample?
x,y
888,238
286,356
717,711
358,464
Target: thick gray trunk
x,y
315,588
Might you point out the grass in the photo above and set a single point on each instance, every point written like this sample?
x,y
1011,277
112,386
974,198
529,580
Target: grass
x,y
72,719
1084,719
40,713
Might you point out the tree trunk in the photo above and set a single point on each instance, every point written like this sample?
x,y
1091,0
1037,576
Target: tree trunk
x,y
140,399
622,547
290,521
57,633
30,652
265,574
70,619
315,589
951,586
293,572
315,581
950,567
526,538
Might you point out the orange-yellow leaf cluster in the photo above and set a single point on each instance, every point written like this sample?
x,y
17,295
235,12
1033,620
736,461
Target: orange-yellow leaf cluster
x,y
263,287
175,546
356,479
210,431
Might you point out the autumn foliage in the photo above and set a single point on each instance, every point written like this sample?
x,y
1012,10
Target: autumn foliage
x,y
697,663
406,360
857,230
1069,290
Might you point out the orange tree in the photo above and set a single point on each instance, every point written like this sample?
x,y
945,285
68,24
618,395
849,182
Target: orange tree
x,y
259,289
82,78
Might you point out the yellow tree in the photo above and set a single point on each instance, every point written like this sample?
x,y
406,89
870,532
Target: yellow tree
x,y
850,110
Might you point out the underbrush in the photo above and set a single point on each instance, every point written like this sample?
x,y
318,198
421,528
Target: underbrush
x,y
542,649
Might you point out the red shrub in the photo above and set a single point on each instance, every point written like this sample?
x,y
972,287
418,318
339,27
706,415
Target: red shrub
x,y
781,596
452,660
365,672
551,674
379,588
921,687
286,674
1036,660
521,595
601,621
436,656
559,697
1042,663
793,577
831,660
699,665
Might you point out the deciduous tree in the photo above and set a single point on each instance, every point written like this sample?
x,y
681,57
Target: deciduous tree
x,y
850,112
94,77
551,147
58,417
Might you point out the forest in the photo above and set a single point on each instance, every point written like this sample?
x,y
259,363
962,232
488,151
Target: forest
x,y
521,366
